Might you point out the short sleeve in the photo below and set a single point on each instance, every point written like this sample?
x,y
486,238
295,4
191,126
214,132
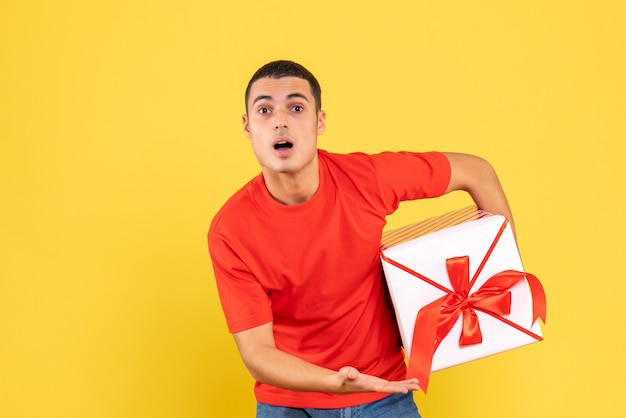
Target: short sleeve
x,y
244,301
409,176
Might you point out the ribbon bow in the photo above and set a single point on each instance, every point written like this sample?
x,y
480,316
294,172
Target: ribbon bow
x,y
435,320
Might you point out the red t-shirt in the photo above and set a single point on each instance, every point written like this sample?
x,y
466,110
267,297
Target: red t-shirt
x,y
314,268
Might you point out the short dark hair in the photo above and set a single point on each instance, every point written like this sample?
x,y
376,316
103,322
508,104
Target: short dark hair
x,y
284,68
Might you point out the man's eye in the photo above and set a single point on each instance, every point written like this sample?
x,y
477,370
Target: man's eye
x,y
298,108
264,110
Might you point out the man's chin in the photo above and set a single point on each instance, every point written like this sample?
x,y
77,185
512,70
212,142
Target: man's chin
x,y
279,169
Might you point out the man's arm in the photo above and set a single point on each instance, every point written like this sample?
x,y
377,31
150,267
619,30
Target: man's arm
x,y
274,367
477,177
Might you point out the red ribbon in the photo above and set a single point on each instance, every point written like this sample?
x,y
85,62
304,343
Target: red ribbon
x,y
435,320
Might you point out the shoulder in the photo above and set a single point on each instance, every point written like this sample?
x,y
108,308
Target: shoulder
x,y
387,160
239,205
391,177
348,163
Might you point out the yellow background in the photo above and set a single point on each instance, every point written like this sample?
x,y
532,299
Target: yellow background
x,y
120,137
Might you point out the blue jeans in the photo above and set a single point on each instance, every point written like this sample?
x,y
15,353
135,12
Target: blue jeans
x,y
394,406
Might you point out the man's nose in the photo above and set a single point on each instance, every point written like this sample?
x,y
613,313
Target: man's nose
x,y
280,119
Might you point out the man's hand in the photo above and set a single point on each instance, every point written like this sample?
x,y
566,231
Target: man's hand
x,y
351,381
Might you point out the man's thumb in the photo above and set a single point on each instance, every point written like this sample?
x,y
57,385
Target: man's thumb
x,y
349,372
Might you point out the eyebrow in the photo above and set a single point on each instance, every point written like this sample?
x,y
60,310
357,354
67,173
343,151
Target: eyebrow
x,y
289,96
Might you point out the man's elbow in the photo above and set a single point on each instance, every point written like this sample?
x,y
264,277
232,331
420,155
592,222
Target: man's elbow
x,y
467,172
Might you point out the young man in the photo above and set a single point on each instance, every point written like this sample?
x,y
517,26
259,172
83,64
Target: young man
x,y
296,255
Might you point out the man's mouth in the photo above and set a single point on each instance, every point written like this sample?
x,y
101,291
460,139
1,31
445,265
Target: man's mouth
x,y
282,145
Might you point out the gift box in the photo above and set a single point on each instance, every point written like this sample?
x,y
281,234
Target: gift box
x,y
459,290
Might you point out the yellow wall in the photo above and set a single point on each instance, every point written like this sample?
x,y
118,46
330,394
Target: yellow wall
x,y
120,137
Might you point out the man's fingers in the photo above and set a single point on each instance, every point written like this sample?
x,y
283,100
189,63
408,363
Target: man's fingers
x,y
405,386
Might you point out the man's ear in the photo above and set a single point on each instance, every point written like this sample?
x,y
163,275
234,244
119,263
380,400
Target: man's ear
x,y
321,122
246,125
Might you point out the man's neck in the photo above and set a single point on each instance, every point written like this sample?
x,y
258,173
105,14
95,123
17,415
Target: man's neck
x,y
292,189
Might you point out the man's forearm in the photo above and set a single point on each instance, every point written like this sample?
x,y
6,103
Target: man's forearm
x,y
277,368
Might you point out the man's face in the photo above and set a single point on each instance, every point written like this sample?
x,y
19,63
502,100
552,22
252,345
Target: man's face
x,y
282,124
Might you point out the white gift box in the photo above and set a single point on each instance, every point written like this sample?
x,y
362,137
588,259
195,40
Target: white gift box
x,y
414,262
